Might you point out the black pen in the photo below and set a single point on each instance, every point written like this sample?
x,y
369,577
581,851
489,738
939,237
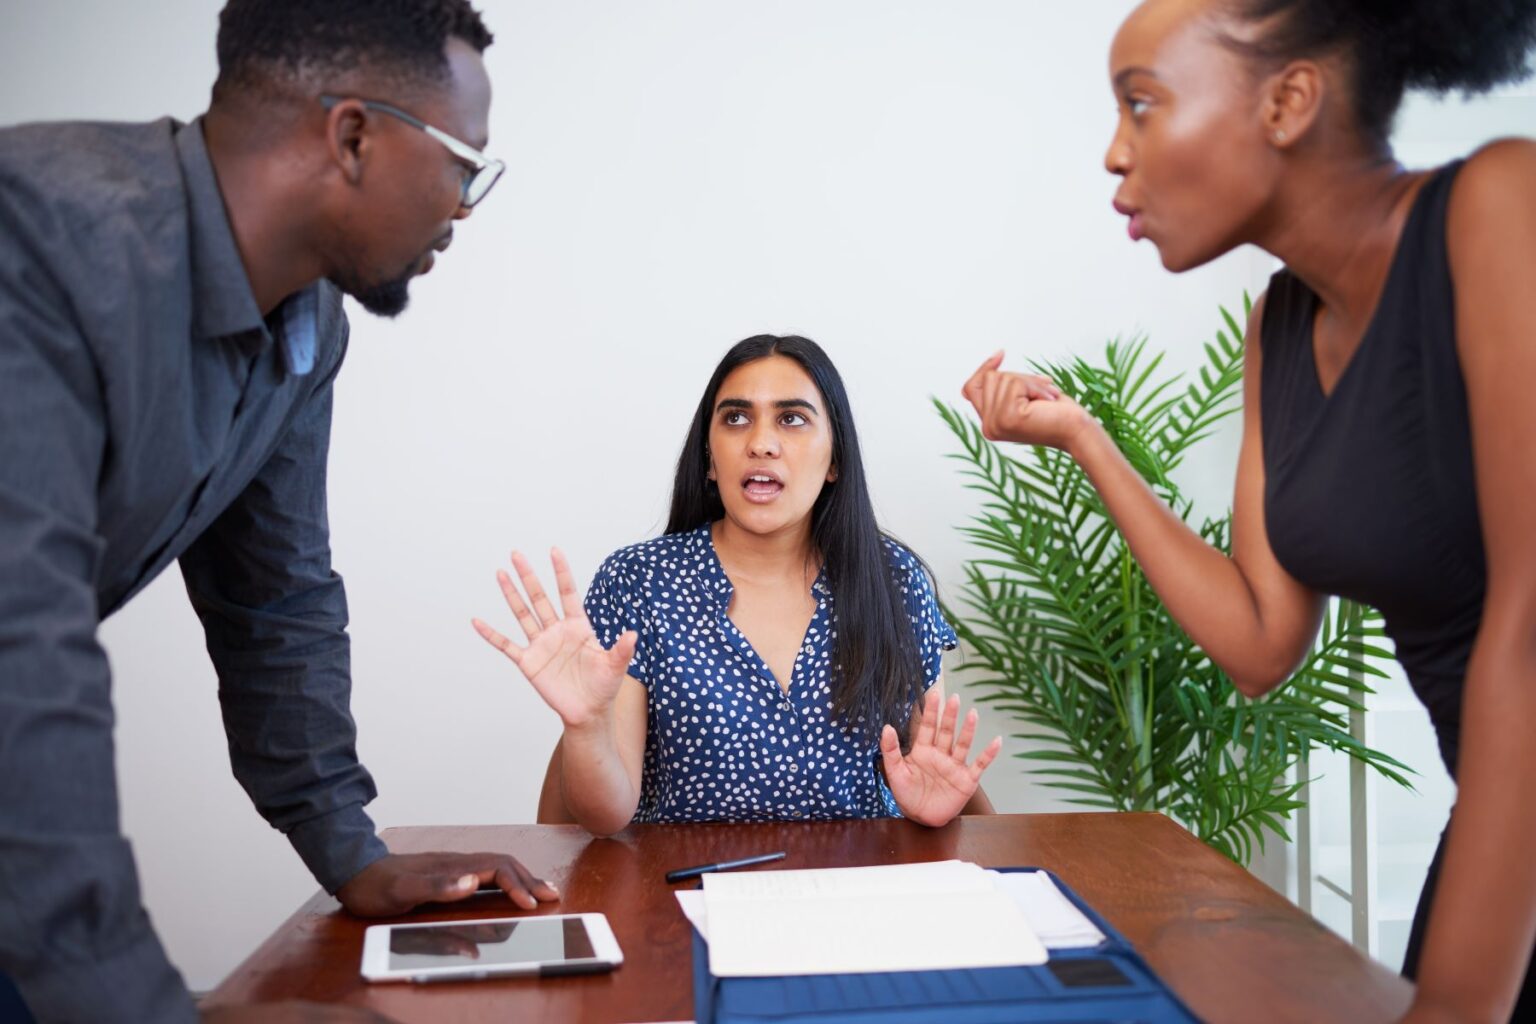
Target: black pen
x,y
725,865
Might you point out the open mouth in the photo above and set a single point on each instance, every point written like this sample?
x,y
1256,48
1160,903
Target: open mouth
x,y
761,487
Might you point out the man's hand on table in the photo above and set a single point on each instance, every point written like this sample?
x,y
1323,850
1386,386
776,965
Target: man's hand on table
x,y
293,1012
401,882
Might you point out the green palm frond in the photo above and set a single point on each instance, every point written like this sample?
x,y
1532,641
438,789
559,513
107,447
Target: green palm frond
x,y
1121,710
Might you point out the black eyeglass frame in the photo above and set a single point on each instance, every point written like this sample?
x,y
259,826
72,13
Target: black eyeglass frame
x,y
487,169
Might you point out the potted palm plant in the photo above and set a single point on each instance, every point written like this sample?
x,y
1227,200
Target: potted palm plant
x,y
1065,634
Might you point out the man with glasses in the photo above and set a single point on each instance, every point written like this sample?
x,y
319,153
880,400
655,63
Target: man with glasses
x,y
170,328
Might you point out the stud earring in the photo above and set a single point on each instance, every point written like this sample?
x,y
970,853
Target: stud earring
x,y
1280,135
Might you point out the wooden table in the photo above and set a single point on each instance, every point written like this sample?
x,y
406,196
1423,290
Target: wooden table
x,y
1230,946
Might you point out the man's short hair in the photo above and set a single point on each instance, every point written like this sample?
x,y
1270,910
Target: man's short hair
x,y
304,43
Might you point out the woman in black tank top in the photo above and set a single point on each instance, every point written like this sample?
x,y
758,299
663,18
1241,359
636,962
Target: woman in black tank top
x,y
1389,449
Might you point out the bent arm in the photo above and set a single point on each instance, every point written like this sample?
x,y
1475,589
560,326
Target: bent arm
x,y
1254,620
274,616
603,707
600,763
1483,922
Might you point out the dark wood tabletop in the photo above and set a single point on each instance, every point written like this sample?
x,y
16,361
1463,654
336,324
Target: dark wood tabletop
x,y
1230,946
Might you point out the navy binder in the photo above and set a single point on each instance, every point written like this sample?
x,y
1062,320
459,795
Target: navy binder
x,y
1107,982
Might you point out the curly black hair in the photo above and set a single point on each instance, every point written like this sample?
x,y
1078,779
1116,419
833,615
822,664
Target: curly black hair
x,y
1395,45
265,41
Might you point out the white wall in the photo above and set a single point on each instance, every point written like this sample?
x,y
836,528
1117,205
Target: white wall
x,y
911,183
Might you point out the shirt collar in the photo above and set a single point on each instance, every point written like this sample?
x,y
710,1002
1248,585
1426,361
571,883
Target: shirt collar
x,y
223,304
717,583
221,292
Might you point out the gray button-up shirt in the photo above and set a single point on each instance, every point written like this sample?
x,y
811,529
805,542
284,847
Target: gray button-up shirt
x,y
148,413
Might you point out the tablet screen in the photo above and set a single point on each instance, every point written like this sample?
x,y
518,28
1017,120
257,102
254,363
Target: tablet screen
x,y
485,944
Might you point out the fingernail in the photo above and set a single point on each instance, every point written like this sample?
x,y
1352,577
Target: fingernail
x,y
467,882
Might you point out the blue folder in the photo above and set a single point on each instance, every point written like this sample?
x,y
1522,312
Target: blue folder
x,y
1107,982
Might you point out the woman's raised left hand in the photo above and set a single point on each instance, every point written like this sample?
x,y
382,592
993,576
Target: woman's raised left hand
x,y
932,782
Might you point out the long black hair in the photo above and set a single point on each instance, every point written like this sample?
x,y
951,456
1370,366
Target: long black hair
x,y
877,672
1395,45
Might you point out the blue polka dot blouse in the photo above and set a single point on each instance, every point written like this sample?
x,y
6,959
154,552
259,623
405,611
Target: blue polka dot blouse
x,y
724,742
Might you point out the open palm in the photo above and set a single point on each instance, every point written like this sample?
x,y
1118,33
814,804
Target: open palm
x,y
932,782
563,660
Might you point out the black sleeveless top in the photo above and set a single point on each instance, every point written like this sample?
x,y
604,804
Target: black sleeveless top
x,y
1369,491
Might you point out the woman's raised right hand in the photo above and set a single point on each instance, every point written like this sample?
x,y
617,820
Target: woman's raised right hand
x,y
1023,407
563,660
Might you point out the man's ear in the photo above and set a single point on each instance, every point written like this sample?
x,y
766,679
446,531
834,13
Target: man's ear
x,y
1293,100
347,138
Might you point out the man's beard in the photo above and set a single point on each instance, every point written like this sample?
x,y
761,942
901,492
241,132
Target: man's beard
x,y
386,298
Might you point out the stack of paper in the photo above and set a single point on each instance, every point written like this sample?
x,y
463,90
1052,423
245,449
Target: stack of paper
x,y
898,917
1054,918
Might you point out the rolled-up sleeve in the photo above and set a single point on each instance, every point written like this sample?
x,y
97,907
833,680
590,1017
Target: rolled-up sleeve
x,y
73,932
275,616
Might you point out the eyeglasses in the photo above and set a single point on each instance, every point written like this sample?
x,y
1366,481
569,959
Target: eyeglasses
x,y
486,170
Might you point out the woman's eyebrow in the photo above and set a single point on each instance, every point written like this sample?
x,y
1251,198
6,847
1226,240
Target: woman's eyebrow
x,y
794,403
1125,74
783,403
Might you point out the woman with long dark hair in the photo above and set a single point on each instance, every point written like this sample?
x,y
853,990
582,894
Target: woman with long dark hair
x,y
1389,429
757,660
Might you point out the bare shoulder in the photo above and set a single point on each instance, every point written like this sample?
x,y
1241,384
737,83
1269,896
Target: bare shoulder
x,y
1490,238
1514,155
1495,191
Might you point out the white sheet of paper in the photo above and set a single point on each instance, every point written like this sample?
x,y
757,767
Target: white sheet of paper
x,y
692,902
940,876
1054,918
898,917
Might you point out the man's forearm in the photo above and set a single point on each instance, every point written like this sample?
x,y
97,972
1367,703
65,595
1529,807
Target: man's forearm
x,y
336,846
73,934
131,981
284,688
275,616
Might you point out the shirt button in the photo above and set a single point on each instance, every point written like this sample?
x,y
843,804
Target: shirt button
x,y
794,766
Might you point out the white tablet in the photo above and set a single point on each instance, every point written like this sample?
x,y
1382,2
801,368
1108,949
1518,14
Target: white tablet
x,y
457,950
